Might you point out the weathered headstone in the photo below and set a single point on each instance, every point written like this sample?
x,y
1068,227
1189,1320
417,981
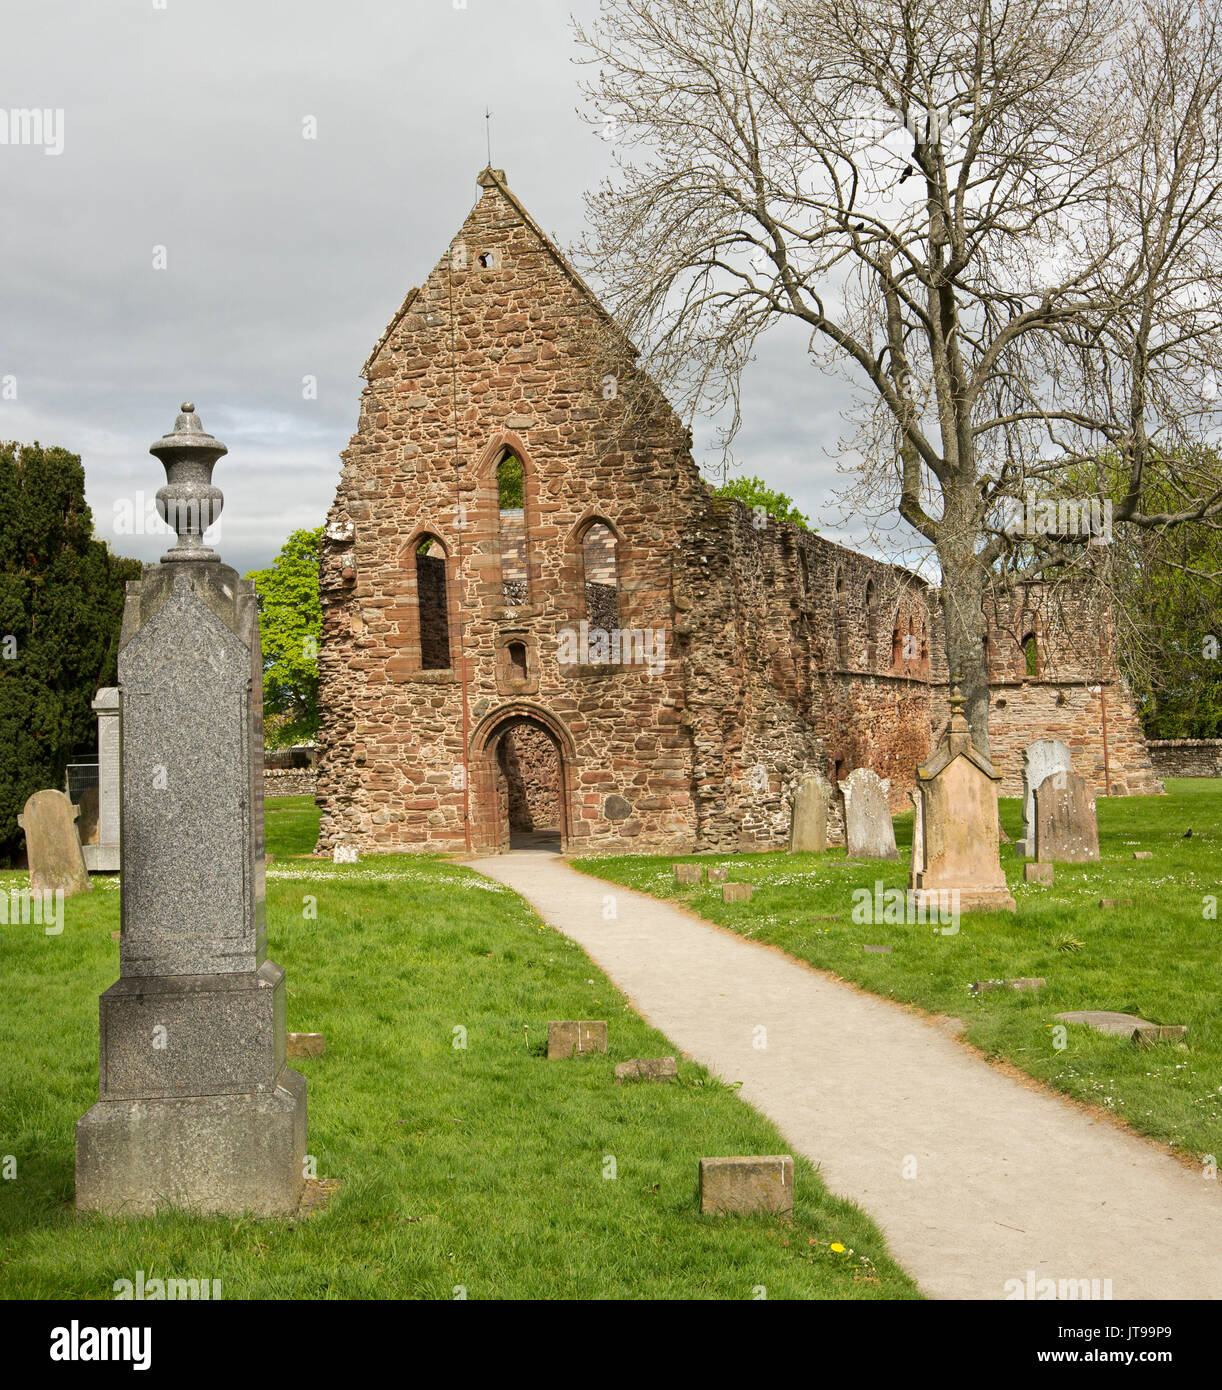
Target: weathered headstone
x,y
1023,982
102,856
197,1108
1066,831
955,847
718,873
868,828
53,846
689,873
1132,1026
878,950
743,1186
647,1069
808,825
566,1038
1044,756
305,1045
1037,873
736,892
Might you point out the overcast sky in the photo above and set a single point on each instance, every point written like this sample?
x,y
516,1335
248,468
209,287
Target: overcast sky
x,y
285,257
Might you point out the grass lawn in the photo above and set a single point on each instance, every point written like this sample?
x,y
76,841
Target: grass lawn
x,y
1161,958
482,1168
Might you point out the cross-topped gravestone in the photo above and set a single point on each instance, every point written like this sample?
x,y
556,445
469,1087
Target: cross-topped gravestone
x,y
868,829
197,1108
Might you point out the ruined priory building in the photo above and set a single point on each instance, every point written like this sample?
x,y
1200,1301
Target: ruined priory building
x,y
537,620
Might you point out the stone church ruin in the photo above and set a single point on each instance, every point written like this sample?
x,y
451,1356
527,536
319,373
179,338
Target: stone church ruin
x,y
539,624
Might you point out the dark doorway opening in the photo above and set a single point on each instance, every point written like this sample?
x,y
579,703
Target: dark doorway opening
x,y
530,787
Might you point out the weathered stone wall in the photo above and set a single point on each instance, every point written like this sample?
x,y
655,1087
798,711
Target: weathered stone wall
x,y
529,759
295,781
481,360
1186,757
1074,693
743,656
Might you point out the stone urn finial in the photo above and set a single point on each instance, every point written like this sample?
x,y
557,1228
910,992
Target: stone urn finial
x,y
189,503
959,735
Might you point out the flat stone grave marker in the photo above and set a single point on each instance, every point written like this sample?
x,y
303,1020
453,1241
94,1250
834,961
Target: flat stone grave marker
x,y
879,950
1037,873
736,892
1066,830
1132,1026
744,1186
689,873
1143,854
718,873
305,1045
808,825
1115,902
1020,983
1040,759
647,1069
568,1038
868,827
53,845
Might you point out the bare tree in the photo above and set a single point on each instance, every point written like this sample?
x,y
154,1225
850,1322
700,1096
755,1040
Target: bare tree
x,y
1000,218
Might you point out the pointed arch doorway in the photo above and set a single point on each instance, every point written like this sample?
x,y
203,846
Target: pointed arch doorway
x,y
522,770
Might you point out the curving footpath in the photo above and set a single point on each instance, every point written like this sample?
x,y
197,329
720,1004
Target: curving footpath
x,y
1012,1183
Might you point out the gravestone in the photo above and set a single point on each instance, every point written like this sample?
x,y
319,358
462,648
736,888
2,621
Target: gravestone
x,y
1066,831
736,892
102,856
567,1037
868,827
1132,1026
689,873
196,1108
808,825
53,847
1037,873
746,1186
647,1069
954,839
1044,756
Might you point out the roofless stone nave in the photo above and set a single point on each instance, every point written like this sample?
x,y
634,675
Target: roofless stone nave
x,y
536,617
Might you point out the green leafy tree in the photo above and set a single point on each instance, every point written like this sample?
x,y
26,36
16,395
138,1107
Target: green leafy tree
x,y
290,622
754,492
61,603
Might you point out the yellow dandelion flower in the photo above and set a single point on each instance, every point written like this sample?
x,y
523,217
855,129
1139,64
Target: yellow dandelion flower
x,y
837,1247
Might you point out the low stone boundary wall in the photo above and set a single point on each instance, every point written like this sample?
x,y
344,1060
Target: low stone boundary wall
x,y
289,781
1186,757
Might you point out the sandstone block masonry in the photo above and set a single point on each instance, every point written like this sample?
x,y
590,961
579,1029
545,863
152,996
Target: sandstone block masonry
x,y
535,612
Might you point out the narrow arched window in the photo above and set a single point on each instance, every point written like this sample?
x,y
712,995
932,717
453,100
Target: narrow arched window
x,y
433,604
897,646
511,509
1031,656
840,620
871,625
600,576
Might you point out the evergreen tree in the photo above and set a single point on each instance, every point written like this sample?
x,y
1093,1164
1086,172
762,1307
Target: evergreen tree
x,y
61,603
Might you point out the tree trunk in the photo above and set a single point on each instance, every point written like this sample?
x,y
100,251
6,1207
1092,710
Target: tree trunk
x,y
964,581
